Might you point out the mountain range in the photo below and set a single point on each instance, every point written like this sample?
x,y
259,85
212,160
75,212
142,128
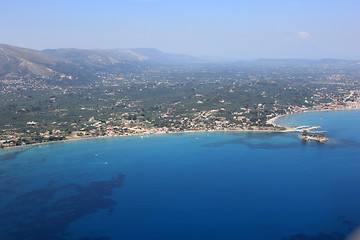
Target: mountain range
x,y
51,63
68,64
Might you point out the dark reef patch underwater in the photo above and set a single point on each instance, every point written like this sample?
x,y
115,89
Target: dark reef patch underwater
x,y
11,155
251,186
46,213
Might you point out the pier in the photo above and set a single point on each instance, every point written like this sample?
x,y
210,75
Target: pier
x,y
307,133
303,128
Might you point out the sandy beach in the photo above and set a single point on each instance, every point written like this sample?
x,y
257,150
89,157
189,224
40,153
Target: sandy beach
x,y
140,135
269,121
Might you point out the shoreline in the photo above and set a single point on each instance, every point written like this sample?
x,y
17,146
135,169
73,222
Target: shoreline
x,y
269,121
139,135
273,119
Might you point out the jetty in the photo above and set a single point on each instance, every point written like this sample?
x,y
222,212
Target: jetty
x,y
307,133
306,128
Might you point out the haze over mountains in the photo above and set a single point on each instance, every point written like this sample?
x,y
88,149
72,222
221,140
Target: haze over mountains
x,y
100,57
17,61
81,65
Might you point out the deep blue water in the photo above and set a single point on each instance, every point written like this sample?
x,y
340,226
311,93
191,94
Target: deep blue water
x,y
252,186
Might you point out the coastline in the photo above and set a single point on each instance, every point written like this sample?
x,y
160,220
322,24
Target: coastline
x,y
269,121
273,119
139,135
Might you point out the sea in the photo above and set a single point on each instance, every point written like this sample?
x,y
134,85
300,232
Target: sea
x,y
209,185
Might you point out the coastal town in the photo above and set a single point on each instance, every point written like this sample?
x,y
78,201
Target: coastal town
x,y
171,121
171,99
179,120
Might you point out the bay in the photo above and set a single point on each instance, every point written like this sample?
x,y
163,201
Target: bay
x,y
218,185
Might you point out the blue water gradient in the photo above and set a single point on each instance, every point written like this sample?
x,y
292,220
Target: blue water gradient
x,y
231,185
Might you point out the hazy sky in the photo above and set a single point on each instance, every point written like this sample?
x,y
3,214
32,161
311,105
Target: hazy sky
x,y
224,28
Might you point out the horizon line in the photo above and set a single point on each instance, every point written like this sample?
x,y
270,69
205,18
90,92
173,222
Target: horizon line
x,y
217,59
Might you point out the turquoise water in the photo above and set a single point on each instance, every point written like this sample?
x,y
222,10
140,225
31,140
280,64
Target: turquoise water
x,y
187,186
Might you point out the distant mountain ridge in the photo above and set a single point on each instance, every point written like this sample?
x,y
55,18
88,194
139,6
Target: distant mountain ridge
x,y
115,56
50,63
76,66
157,56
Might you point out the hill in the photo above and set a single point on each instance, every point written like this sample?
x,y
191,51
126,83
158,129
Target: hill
x,y
81,64
104,57
21,61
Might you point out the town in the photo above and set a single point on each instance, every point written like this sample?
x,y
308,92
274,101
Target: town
x,y
167,99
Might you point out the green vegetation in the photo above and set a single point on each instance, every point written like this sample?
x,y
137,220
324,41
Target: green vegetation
x,y
162,99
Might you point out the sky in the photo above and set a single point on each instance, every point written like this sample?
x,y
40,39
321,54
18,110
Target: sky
x,y
228,29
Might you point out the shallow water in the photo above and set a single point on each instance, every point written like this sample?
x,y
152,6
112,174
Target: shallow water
x,y
187,186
